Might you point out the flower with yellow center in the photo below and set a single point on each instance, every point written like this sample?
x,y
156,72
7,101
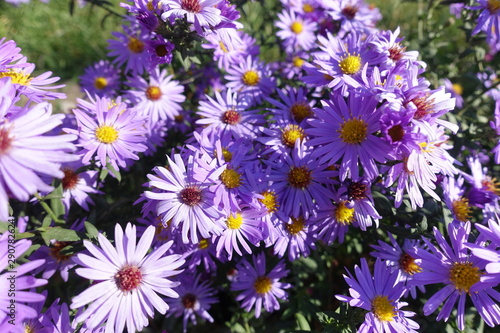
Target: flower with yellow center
x,y
350,64
234,221
135,45
298,62
463,275
250,78
307,8
457,88
383,309
106,134
262,285
296,226
230,178
16,77
296,27
353,131
153,93
100,83
270,201
299,177
344,214
462,209
301,111
290,134
493,5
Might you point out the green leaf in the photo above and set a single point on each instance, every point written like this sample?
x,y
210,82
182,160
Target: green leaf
x,y
302,322
60,234
57,205
92,231
103,174
115,172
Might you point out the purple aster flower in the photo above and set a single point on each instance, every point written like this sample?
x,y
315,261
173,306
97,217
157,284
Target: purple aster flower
x,y
495,125
293,106
252,79
203,14
130,49
239,228
333,220
361,200
354,15
345,131
485,191
296,32
228,114
301,182
396,256
54,259
129,280
112,134
160,51
379,295
183,196
158,99
33,87
295,235
101,79
195,299
456,90
9,53
453,265
258,288
27,154
57,316
23,283
455,199
489,19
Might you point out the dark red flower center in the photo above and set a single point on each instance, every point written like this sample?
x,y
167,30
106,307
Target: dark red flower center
x,y
161,50
192,6
5,141
191,196
70,179
231,117
357,191
407,264
189,300
396,133
349,11
396,52
128,278
55,251
424,106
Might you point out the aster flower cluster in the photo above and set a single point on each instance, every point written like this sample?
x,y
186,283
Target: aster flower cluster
x,y
269,171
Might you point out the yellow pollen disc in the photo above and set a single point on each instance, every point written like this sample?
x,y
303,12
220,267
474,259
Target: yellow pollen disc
x,y
296,27
262,284
223,47
350,64
150,6
493,5
296,226
16,77
461,209
203,244
153,93
135,45
269,201
383,309
251,78
300,111
28,328
290,134
464,275
407,264
106,134
234,222
299,177
353,131
344,214
231,178
307,8
227,155
491,184
458,89
100,83
298,62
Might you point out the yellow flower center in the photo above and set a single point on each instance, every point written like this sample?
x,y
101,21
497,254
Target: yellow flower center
x,y
290,134
135,45
350,64
464,275
269,201
300,111
296,226
407,264
262,285
383,309
307,8
461,209
251,78
493,5
16,77
491,184
223,47
203,244
153,93
297,27
230,178
344,214
100,83
299,177
150,6
234,221
353,131
227,155
106,134
29,328
298,62
458,89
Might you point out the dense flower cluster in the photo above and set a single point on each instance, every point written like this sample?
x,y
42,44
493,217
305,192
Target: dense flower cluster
x,y
270,170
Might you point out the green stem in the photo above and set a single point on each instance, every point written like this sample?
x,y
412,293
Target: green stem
x,y
47,209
